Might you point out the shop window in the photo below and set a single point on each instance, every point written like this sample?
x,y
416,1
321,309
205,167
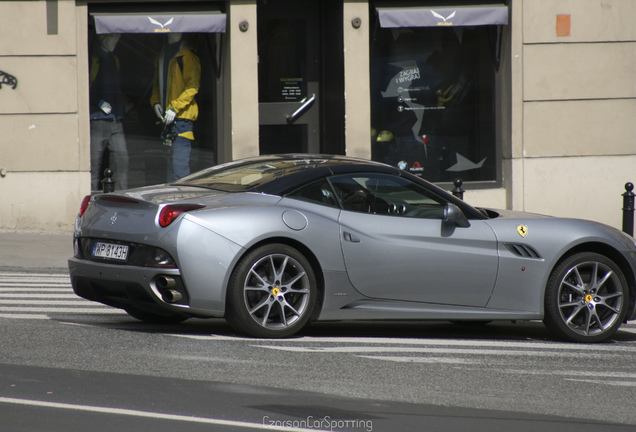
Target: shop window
x,y
433,87
134,135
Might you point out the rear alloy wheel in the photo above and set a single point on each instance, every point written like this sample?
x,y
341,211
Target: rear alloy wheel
x,y
585,298
272,292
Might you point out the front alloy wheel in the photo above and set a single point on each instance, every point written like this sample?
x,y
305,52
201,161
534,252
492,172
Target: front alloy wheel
x,y
272,292
585,298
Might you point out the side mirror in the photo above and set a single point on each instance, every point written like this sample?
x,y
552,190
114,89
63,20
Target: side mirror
x,y
453,215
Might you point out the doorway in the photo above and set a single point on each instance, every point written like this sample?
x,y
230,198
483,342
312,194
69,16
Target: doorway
x,y
301,93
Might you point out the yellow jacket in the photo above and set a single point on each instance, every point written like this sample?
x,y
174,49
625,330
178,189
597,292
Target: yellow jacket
x,y
183,84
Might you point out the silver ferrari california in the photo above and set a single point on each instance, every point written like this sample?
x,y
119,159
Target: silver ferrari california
x,y
272,243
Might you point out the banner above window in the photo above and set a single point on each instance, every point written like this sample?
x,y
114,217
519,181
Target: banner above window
x,y
443,16
160,22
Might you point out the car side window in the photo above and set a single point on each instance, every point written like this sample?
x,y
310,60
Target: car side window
x,y
318,192
385,194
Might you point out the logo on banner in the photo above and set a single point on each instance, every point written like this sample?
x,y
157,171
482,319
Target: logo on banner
x,y
162,29
416,167
446,22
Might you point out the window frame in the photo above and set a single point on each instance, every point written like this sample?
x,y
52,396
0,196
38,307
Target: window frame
x,y
360,198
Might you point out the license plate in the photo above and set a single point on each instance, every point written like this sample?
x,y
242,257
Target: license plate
x,y
110,251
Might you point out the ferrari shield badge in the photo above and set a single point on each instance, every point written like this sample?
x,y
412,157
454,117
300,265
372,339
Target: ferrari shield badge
x,y
522,230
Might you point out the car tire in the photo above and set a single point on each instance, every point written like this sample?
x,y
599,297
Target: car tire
x,y
585,298
155,318
272,292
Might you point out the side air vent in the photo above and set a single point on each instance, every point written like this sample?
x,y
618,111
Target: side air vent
x,y
522,250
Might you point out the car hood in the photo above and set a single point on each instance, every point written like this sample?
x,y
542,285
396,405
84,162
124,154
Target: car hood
x,y
549,231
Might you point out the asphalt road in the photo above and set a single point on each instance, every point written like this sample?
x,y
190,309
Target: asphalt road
x,y
70,365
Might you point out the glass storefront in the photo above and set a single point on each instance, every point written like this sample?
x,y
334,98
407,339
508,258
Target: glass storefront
x,y
433,78
433,93
155,87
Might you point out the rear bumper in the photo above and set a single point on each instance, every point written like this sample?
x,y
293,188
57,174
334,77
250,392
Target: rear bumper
x,y
126,287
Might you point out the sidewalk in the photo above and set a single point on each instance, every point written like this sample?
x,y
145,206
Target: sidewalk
x,y
35,251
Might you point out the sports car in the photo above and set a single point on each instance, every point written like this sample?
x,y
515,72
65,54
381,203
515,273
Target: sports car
x,y
274,242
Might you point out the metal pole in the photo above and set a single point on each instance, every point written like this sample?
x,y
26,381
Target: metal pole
x,y
628,209
108,182
458,191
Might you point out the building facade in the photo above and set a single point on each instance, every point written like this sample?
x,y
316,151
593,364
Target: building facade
x,y
529,102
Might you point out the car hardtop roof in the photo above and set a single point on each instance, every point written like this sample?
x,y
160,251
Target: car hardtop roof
x,y
328,165
325,159
321,166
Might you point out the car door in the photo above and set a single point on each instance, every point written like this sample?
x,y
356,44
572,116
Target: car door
x,y
397,247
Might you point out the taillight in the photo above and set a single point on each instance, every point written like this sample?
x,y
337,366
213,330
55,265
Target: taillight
x,y
170,212
84,205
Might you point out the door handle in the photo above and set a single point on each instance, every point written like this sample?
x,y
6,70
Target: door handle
x,y
350,237
306,104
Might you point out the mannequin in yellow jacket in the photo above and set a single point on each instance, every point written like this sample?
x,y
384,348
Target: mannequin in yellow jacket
x,y
177,78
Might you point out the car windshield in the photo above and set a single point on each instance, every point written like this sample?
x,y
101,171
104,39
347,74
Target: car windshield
x,y
241,176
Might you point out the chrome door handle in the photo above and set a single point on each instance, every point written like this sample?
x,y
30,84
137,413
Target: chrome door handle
x,y
306,104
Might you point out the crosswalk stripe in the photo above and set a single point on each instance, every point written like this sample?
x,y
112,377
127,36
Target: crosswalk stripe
x,y
24,316
14,290
103,310
34,276
37,296
40,302
34,285
43,296
31,280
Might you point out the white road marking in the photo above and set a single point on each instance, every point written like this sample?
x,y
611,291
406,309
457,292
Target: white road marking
x,y
558,346
433,360
35,277
428,350
200,337
24,316
41,296
82,310
20,289
577,373
156,415
222,338
26,302
604,382
37,295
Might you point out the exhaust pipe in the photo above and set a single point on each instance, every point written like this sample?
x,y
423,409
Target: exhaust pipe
x,y
165,282
171,296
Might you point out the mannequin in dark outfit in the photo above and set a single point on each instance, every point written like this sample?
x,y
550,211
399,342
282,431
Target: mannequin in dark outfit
x,y
106,114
